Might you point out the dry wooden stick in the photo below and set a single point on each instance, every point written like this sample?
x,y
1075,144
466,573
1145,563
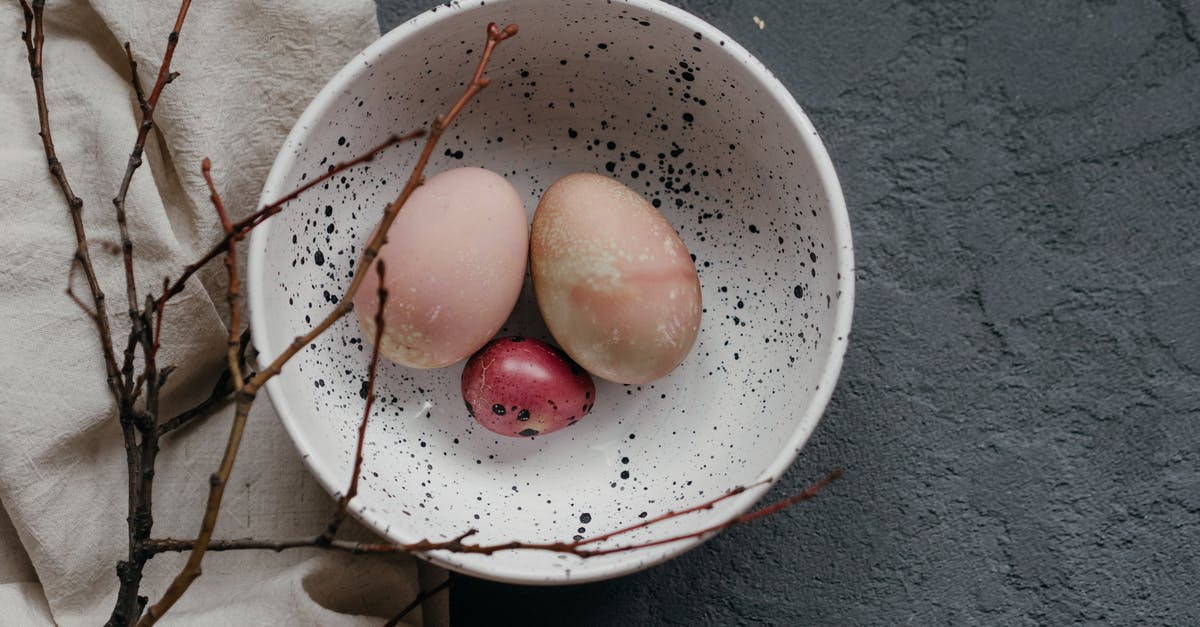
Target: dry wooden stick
x,y
174,545
145,325
219,396
807,494
147,105
246,393
158,319
457,544
34,37
671,514
440,123
135,79
71,290
137,457
233,292
243,226
422,596
343,505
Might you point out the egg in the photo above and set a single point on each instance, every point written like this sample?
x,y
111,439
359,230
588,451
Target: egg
x,y
615,284
522,387
455,262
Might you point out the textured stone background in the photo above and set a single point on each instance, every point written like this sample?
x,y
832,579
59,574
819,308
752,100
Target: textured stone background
x,y
1019,413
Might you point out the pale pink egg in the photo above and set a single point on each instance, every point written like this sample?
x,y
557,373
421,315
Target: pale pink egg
x,y
455,262
615,284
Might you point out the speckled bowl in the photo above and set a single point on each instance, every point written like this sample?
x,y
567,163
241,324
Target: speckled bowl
x,y
673,108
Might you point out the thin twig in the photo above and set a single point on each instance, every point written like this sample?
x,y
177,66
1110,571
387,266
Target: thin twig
x,y
158,319
244,226
807,494
343,505
136,80
147,105
172,545
234,291
219,396
422,597
672,514
246,395
138,384
145,331
440,123
71,289
456,544
34,37
127,365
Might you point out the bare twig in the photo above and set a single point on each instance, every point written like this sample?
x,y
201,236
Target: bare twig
x,y
242,227
158,318
422,597
147,105
34,37
144,331
439,126
127,366
219,396
246,395
138,384
234,292
172,545
71,290
139,459
807,494
259,216
671,514
456,544
343,505
136,80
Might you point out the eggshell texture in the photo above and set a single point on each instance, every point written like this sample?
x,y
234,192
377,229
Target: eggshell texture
x,y
615,284
455,262
523,387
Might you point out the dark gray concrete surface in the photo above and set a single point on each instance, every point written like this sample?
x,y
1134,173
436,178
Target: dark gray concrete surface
x,y
1019,413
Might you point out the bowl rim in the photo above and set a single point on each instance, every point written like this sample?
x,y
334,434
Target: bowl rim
x,y
805,422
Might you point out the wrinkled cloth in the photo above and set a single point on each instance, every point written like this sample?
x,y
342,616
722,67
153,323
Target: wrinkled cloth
x,y
247,69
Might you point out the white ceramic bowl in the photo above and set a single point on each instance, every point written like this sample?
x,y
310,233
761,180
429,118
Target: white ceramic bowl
x,y
674,109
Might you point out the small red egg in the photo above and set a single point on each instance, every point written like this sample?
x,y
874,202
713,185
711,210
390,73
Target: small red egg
x,y
523,387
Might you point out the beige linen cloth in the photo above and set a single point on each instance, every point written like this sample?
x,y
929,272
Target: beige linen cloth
x,y
247,70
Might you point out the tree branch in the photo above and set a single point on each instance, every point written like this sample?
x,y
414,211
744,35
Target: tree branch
x,y
422,596
147,105
144,330
344,502
234,292
456,544
34,37
244,226
246,393
136,80
218,397
440,123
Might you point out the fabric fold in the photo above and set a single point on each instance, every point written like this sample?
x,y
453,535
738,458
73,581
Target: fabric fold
x,y
247,69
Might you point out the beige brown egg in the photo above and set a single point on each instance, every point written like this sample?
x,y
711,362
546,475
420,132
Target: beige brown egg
x,y
614,282
455,263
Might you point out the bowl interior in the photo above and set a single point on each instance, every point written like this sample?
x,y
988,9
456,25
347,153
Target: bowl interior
x,y
669,106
